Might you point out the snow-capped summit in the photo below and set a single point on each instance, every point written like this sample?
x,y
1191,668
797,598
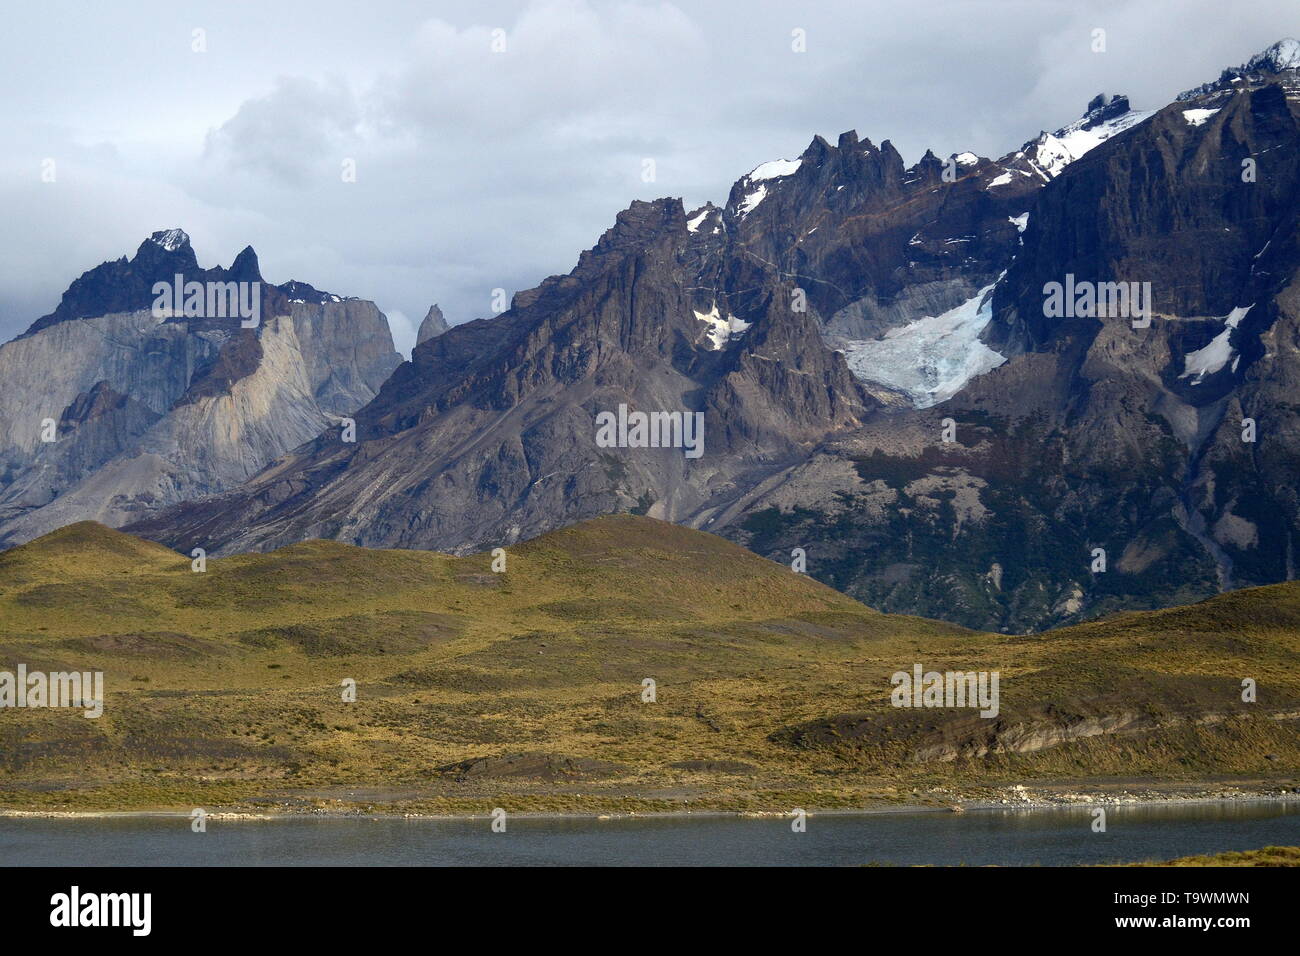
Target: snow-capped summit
x,y
1279,63
1282,55
755,183
170,239
1106,115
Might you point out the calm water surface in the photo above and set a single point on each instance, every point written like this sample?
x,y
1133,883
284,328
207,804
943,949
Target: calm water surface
x,y
1006,837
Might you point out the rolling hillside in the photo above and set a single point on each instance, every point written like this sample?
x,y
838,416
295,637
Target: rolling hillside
x,y
523,689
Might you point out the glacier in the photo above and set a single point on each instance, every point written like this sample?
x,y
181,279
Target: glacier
x,y
930,360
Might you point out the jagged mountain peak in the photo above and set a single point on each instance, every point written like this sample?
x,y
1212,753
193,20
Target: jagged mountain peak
x,y
169,247
1279,62
434,324
636,229
1105,116
297,291
170,239
1282,55
1104,107
245,268
155,403
126,285
707,219
816,150
639,223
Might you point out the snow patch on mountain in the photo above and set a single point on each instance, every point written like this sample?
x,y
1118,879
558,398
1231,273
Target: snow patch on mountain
x,y
1213,357
722,330
1052,152
1005,178
751,201
1198,117
931,359
775,169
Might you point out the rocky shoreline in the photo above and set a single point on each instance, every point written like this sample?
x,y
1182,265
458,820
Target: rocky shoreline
x,y
1017,797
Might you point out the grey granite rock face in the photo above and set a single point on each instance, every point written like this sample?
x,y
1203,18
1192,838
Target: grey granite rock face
x,y
151,410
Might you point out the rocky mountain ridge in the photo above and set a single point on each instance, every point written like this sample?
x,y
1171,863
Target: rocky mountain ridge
x,y
883,383
112,408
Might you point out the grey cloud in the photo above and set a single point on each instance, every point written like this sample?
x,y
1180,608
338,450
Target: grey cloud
x,y
290,133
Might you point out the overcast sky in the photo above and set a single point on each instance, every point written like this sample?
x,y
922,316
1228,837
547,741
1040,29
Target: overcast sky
x,y
478,169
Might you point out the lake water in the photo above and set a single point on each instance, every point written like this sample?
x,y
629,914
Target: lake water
x,y
1005,837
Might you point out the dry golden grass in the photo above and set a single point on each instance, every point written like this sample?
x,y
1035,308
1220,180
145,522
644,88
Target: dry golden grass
x,y
223,688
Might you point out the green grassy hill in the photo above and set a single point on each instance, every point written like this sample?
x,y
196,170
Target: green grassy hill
x,y
524,689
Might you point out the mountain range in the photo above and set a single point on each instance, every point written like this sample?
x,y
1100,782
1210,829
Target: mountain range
x,y
882,381
151,408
